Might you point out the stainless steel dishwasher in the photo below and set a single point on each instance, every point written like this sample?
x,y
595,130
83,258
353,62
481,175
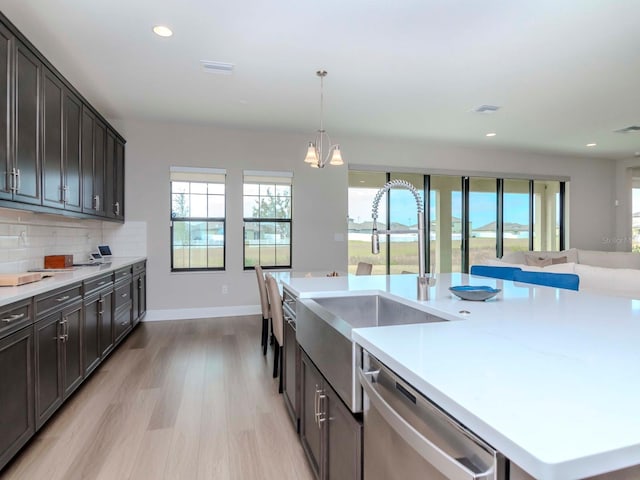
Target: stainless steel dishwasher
x,y
408,437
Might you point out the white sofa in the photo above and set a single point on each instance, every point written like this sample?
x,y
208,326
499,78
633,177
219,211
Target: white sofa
x,y
609,273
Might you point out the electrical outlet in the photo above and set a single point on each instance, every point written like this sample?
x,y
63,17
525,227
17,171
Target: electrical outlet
x,y
225,289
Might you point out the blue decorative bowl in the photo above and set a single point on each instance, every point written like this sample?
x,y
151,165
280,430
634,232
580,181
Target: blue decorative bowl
x,y
476,293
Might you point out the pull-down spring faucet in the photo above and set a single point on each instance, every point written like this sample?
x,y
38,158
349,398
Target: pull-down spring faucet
x,y
423,280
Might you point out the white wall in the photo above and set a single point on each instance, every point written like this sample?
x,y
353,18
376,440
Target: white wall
x,y
26,237
319,210
319,202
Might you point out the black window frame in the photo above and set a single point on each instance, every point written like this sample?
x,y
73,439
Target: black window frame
x,y
174,219
268,177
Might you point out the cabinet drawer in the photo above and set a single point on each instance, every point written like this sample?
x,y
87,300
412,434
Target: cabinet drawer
x,y
15,316
94,284
122,274
122,295
139,267
51,301
122,321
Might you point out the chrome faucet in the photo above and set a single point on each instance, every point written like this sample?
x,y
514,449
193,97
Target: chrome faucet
x,y
423,280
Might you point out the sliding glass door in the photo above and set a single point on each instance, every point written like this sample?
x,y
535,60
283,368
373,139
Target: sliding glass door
x,y
469,220
445,229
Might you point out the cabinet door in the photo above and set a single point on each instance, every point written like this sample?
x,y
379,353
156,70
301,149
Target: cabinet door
x,y
99,157
311,436
6,94
27,125
290,366
109,172
106,324
119,181
88,201
142,294
16,395
91,333
52,178
48,367
344,440
71,123
72,332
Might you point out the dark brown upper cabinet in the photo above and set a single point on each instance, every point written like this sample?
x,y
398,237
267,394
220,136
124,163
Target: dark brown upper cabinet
x,y
93,164
57,154
6,91
26,157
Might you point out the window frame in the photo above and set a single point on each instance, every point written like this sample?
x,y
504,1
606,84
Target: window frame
x,y
275,178
214,175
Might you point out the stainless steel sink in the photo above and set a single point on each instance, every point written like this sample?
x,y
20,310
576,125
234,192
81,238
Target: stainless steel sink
x,y
324,332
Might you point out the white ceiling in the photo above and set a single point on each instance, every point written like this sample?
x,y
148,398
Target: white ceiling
x,y
566,72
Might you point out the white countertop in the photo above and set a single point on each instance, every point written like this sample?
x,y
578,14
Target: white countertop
x,y
60,279
551,378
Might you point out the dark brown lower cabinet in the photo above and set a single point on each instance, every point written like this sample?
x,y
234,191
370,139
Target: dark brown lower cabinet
x,y
16,392
48,371
105,318
97,312
122,305
58,339
291,374
331,435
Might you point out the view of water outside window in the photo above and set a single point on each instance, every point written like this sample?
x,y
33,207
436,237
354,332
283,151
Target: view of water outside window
x,y
403,248
483,219
515,216
363,187
445,220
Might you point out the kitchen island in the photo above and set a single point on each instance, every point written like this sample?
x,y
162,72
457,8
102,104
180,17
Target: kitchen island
x,y
548,377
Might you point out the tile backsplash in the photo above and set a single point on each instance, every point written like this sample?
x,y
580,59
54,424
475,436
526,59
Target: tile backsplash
x,y
26,237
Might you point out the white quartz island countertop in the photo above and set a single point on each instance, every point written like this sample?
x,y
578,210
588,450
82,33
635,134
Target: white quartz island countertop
x,y
60,279
549,377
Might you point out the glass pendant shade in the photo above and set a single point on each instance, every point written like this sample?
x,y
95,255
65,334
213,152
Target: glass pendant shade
x,y
336,156
312,154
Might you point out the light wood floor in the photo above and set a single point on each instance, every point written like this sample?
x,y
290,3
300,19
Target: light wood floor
x,y
178,400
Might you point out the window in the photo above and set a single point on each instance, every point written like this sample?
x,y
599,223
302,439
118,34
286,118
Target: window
x,y
197,219
468,219
363,187
267,219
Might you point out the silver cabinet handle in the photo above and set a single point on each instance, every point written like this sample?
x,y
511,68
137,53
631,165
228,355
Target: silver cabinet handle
x,y
319,396
63,298
117,208
321,411
13,181
18,180
446,464
123,295
12,318
96,202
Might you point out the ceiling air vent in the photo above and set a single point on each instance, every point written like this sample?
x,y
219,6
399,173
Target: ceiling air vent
x,y
486,109
219,68
631,129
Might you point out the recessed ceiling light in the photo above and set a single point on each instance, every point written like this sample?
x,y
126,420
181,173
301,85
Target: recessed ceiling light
x,y
591,144
492,134
162,31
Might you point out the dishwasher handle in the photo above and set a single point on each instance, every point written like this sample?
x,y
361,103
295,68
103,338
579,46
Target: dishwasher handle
x,y
433,454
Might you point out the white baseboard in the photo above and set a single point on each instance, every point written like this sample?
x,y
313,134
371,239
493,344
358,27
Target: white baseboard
x,y
208,312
